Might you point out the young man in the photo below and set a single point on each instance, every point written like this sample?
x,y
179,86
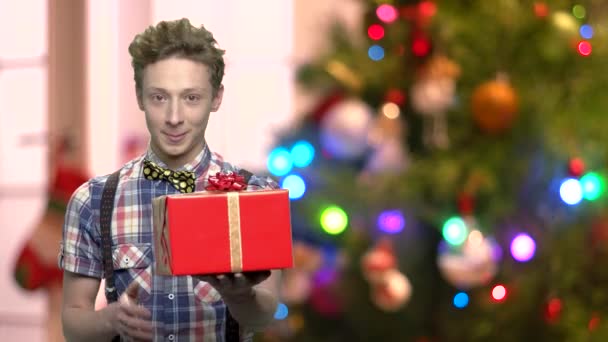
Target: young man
x,y
178,80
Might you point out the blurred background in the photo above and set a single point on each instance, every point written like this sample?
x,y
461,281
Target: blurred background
x,y
446,160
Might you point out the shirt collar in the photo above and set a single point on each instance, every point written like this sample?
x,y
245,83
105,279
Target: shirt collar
x,y
198,165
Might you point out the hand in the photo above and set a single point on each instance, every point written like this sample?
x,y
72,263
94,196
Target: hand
x,y
236,286
129,319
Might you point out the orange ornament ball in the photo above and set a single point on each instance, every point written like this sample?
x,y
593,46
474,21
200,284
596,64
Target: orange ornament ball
x,y
494,105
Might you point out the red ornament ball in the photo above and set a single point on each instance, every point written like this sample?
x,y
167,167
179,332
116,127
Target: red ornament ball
x,y
466,204
553,310
576,167
395,96
541,10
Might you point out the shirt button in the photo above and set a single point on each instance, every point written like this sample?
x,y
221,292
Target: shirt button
x,y
171,337
171,296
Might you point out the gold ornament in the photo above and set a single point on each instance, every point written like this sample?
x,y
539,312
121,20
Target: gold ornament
x,y
494,105
344,74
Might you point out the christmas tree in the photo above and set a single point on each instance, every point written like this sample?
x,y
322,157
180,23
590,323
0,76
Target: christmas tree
x,y
449,184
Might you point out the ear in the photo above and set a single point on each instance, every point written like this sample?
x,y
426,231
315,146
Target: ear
x,y
217,100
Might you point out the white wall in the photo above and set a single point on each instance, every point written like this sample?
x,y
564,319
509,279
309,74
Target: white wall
x,y
23,104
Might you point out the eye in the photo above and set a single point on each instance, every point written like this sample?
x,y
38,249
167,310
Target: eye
x,y
193,98
158,97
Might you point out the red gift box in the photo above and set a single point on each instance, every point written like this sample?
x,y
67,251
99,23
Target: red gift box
x,y
222,232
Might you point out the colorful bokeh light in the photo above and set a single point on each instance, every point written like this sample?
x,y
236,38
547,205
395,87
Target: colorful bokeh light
x,y
579,11
499,293
571,191
461,300
523,247
586,31
592,186
391,221
421,47
387,13
296,186
279,162
302,153
375,32
334,220
282,312
375,52
455,231
584,48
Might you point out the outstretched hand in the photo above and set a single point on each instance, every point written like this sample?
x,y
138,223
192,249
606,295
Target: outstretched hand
x,y
236,286
129,319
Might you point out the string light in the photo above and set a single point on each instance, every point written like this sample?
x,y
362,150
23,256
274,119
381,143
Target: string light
x,y
523,247
296,186
386,13
334,220
279,162
390,110
421,47
391,221
571,191
592,186
375,52
375,32
302,153
586,31
461,300
281,312
455,231
584,48
579,11
427,8
499,293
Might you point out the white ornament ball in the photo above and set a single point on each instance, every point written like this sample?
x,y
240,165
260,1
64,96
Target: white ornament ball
x,y
474,265
344,129
393,292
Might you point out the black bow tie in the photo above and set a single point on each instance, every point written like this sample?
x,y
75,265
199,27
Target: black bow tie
x,y
181,180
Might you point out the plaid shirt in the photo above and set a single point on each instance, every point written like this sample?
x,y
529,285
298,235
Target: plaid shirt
x,y
183,308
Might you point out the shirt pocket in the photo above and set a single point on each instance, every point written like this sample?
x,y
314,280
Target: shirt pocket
x,y
133,262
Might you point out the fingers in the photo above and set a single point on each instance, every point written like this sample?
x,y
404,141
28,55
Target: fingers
x,y
137,311
235,280
134,321
257,277
225,280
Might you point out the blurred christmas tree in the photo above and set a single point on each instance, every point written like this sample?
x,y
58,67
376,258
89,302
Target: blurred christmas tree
x,y
449,185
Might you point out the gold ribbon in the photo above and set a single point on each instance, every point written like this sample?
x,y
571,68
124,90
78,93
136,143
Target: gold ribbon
x,y
234,224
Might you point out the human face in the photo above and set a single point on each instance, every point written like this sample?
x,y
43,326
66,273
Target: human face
x,y
177,98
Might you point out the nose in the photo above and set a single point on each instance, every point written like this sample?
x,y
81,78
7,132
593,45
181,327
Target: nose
x,y
174,114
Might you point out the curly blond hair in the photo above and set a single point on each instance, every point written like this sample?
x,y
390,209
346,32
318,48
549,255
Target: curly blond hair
x,y
176,38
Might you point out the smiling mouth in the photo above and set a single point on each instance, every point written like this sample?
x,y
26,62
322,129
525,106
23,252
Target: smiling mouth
x,y
174,138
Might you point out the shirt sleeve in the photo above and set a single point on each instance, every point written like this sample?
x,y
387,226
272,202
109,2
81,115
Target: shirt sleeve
x,y
80,251
261,182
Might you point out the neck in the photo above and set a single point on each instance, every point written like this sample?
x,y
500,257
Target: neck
x,y
176,162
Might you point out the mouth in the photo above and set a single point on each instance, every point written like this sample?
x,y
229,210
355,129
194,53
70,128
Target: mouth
x,y
174,138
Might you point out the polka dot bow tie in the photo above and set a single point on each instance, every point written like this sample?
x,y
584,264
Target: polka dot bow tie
x,y
181,180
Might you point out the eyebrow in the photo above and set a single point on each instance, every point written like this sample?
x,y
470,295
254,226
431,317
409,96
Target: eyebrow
x,y
187,90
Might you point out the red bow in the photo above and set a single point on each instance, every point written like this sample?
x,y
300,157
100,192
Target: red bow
x,y
226,182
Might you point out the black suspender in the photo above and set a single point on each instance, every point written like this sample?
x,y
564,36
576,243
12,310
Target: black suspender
x,y
105,225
